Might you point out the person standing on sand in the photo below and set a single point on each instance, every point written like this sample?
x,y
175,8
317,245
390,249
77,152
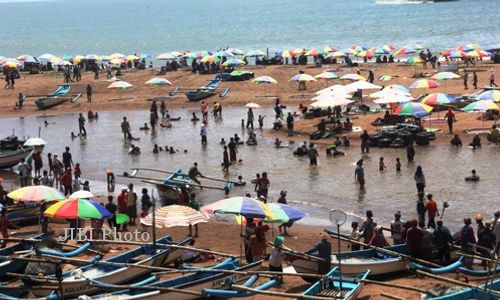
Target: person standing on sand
x,y
474,80
122,207
467,241
466,79
419,179
111,207
7,80
371,76
5,225
67,181
492,77
81,125
443,239
131,204
89,93
365,138
450,118
421,208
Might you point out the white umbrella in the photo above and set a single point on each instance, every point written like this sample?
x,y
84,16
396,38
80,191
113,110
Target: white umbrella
x,y
395,98
326,101
81,195
389,92
253,105
335,89
362,85
34,142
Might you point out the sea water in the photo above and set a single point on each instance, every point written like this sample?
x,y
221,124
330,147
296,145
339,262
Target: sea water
x,y
155,26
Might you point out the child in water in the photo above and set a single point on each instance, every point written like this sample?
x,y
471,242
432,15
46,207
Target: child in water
x,y
473,177
381,164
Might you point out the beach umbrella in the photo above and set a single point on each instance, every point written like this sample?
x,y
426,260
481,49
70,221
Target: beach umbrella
x,y
81,195
253,105
176,53
243,206
394,98
336,90
437,99
413,109
117,55
469,47
299,51
174,215
255,53
352,77
121,85
348,51
26,58
233,62
132,58
390,91
424,84
365,53
336,54
478,54
116,61
210,59
10,65
445,76
302,77
325,101
264,79
236,51
328,49
357,48
458,54
385,78
385,49
327,76
77,209
46,56
493,95
287,54
64,63
34,142
144,55
361,85
104,58
223,53
284,213
414,60
165,56
314,52
78,58
197,54
481,106
158,81
36,193
92,57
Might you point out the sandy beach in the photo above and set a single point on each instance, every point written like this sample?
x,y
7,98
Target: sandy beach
x,y
224,236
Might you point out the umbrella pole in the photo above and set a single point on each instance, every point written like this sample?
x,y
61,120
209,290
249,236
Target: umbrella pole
x,y
241,236
154,217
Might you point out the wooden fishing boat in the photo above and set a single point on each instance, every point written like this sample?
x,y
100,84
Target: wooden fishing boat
x,y
23,212
330,286
203,92
8,159
193,282
51,101
76,282
170,189
481,292
25,248
11,143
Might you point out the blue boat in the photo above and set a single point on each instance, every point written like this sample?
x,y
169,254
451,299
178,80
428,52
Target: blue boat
x,y
330,286
59,96
204,92
75,282
16,266
482,292
452,267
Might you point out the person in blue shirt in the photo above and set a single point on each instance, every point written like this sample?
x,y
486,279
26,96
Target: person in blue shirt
x,y
323,250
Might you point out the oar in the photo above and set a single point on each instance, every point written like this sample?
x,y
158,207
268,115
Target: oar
x,y
169,172
458,282
398,286
390,252
310,257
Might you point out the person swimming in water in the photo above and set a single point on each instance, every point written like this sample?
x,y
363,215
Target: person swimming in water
x,y
145,127
473,177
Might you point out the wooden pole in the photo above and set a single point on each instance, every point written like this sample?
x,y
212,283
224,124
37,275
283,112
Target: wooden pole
x,y
479,257
307,256
390,252
281,294
457,282
397,286
16,239
391,296
146,287
260,273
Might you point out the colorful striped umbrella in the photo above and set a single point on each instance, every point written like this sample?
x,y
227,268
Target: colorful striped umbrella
x,y
255,53
328,49
104,58
352,77
298,51
357,48
210,59
10,65
365,53
287,54
117,61
117,55
478,54
247,207
158,81
26,58
424,84
36,193
458,54
165,56
385,49
489,95
223,53
437,99
92,57
336,54
46,56
77,209
445,76
131,58
314,52
121,85
174,215
197,54
413,109
481,106
414,60
284,213
78,58
233,62
302,77
326,76
404,51
469,47
264,79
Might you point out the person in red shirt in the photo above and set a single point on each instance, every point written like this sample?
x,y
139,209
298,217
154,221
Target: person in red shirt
x,y
67,181
450,118
4,226
432,211
414,236
122,206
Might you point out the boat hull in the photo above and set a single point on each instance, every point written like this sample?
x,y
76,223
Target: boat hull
x,y
199,95
9,159
351,286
